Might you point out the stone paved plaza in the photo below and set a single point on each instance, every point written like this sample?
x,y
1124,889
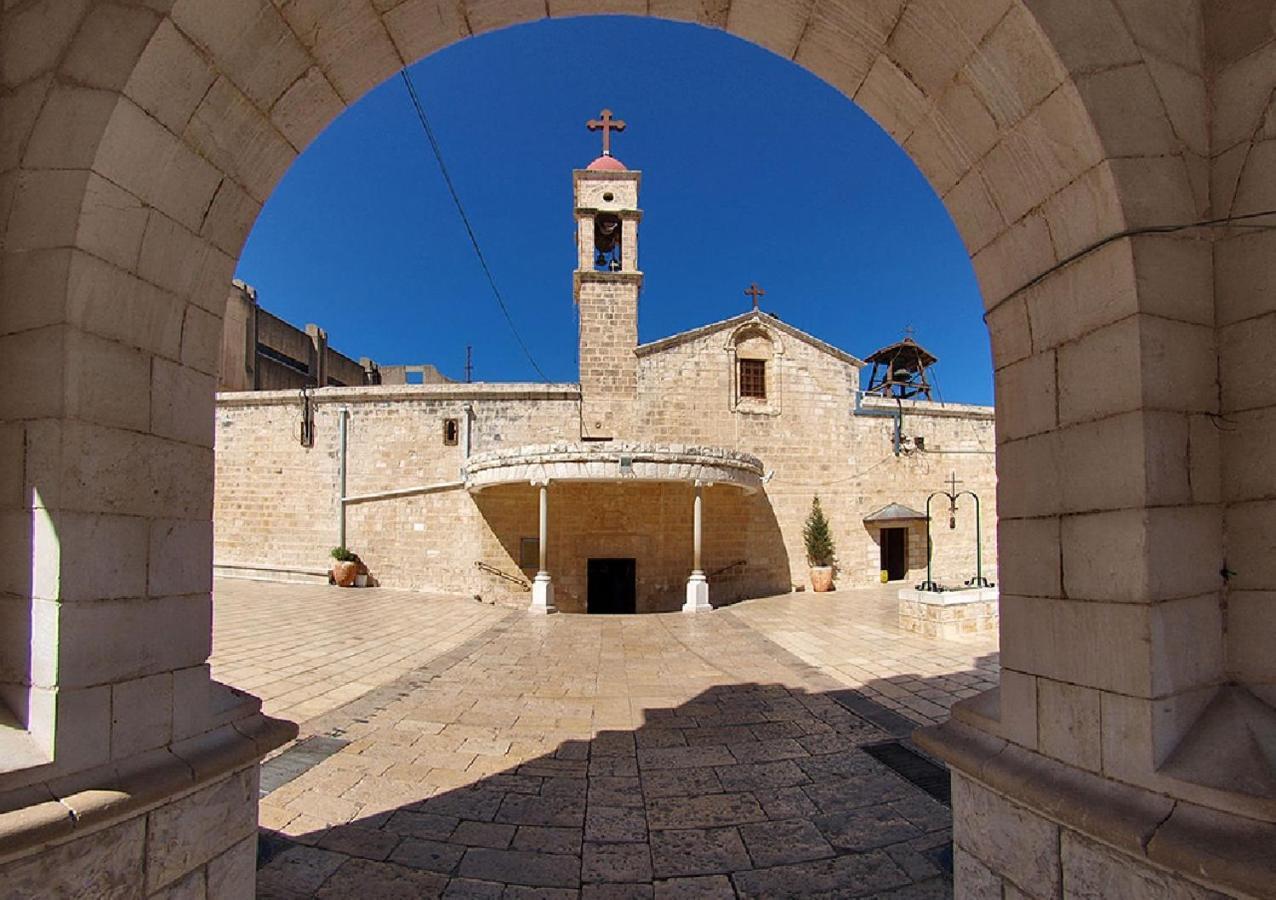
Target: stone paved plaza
x,y
469,750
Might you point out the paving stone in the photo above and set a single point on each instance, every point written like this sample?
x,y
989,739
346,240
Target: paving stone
x,y
483,834
356,840
856,874
723,770
648,738
761,776
703,812
663,758
844,764
421,825
473,889
767,750
616,892
866,828
725,734
523,892
615,823
840,794
923,811
787,803
784,841
680,782
703,887
521,867
434,856
382,880
618,766
298,871
613,743
697,851
613,791
520,809
480,805
616,862
565,787
541,839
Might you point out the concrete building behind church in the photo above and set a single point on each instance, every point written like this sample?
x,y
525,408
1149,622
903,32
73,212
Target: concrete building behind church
x,y
676,474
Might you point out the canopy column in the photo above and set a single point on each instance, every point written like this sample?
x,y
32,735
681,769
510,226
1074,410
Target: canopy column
x,y
697,584
542,584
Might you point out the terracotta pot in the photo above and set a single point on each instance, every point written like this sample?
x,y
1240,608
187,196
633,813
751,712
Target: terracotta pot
x,y
822,578
343,573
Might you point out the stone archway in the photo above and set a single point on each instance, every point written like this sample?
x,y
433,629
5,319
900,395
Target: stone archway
x,y
140,140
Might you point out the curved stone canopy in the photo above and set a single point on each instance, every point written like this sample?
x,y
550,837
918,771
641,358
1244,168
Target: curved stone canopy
x,y
613,462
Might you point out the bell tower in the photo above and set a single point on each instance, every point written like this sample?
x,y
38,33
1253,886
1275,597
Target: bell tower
x,y
606,285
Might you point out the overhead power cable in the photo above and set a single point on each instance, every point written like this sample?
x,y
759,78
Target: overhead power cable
x,y
1239,221
465,219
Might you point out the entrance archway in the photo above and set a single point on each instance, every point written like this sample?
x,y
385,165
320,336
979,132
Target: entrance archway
x,y
141,141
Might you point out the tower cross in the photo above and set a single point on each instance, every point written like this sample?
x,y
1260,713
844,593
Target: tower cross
x,y
755,292
606,124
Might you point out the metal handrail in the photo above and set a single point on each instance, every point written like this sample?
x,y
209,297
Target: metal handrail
x,y
492,570
738,562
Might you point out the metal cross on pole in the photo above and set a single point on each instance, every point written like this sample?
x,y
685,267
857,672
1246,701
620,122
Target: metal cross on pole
x,y
979,581
606,124
755,292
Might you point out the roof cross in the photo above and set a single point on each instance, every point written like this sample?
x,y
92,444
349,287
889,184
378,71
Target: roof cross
x,y
755,292
606,124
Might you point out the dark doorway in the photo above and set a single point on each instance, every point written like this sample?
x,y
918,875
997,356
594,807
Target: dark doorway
x,y
612,586
895,553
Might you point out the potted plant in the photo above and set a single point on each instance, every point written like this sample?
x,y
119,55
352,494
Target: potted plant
x,y
820,553
345,566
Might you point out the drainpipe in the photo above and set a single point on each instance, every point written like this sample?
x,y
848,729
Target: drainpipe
x,y
897,438
467,442
343,419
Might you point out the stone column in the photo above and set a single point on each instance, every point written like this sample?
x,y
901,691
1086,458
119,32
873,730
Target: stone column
x,y
697,584
542,585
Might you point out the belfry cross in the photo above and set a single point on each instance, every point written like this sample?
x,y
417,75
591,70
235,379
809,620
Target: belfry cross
x,y
755,292
606,124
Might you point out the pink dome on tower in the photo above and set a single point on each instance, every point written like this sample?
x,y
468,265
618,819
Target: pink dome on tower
x,y
607,163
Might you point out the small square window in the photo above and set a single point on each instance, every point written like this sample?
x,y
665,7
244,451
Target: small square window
x,y
753,378
529,553
451,432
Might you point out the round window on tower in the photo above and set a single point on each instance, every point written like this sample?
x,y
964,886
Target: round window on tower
x,y
608,197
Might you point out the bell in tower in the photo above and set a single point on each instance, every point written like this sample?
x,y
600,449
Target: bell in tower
x,y
607,282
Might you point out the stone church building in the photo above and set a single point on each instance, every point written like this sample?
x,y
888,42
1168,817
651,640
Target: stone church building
x,y
676,474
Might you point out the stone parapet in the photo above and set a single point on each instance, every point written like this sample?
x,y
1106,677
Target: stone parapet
x,y
614,462
948,614
1027,823
394,392
186,816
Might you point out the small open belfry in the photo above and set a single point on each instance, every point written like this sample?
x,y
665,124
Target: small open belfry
x,y
675,474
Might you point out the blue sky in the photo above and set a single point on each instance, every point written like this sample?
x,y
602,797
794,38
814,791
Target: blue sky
x,y
753,170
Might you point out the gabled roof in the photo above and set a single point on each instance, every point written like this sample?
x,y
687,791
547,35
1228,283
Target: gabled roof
x,y
894,512
753,315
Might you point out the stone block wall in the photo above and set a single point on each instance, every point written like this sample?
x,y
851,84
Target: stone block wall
x,y
806,433
276,503
1243,41
1004,849
608,307
201,844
